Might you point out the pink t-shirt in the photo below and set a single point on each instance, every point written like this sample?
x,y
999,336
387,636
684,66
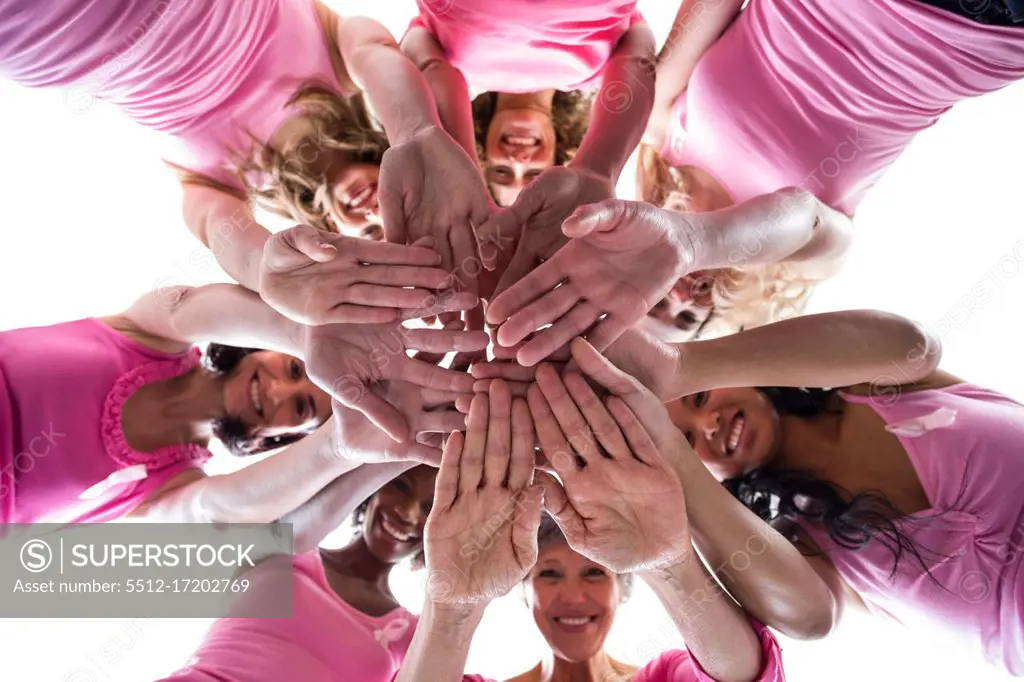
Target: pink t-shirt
x,y
63,455
528,45
326,640
965,444
209,73
680,666
826,95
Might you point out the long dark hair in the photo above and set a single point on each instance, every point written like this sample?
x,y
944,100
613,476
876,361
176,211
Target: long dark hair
x,y
236,436
852,521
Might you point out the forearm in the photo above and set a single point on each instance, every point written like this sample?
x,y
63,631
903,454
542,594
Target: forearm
x,y
222,313
333,505
756,564
790,225
698,24
260,493
824,350
225,224
448,86
622,106
394,86
717,632
440,647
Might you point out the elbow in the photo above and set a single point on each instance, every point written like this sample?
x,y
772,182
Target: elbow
x,y
915,351
814,619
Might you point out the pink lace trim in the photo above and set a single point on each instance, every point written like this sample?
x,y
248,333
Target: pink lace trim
x,y
129,382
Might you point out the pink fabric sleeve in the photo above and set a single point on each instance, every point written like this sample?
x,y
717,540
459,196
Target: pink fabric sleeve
x,y
680,666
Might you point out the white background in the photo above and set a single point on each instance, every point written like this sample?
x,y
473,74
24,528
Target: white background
x,y
91,220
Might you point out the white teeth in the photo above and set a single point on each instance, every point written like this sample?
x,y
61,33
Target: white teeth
x,y
573,621
394,532
521,141
255,396
737,431
358,200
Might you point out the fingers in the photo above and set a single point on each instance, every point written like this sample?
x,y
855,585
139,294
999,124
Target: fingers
x,y
434,398
438,340
598,418
402,275
560,508
499,435
392,209
544,311
520,470
607,331
525,522
552,441
348,313
450,302
387,297
510,371
384,253
471,469
570,419
464,251
518,388
640,441
431,376
440,421
446,485
463,403
602,216
436,358
424,453
383,414
519,286
296,247
575,323
600,369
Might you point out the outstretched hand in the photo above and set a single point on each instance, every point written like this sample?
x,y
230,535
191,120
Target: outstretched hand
x,y
316,278
481,537
619,504
623,258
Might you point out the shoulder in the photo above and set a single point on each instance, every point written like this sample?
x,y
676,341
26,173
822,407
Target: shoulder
x,y
938,379
127,328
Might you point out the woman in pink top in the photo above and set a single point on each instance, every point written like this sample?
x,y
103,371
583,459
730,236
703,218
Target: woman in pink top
x,y
261,99
902,486
107,417
527,56
481,541
346,624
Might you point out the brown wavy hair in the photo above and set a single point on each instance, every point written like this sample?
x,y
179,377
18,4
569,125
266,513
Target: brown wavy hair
x,y
744,297
570,116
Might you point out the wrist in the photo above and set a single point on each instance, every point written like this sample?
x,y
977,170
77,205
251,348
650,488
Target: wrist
x,y
409,131
672,571
452,619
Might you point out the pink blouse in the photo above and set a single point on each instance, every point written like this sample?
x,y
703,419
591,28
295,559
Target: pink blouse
x,y
325,640
528,45
63,453
211,74
826,95
964,442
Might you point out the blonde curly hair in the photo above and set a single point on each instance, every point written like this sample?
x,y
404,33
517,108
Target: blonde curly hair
x,y
742,297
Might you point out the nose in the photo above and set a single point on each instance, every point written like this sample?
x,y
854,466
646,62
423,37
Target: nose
x,y
710,422
572,593
411,513
282,393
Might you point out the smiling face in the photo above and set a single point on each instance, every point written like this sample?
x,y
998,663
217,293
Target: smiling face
x,y
354,207
573,601
520,146
395,517
271,395
684,310
732,430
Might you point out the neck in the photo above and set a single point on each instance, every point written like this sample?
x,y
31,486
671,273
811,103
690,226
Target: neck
x,y
355,562
598,668
808,443
178,410
538,101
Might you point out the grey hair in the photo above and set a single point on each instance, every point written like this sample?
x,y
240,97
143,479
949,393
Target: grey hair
x,y
549,533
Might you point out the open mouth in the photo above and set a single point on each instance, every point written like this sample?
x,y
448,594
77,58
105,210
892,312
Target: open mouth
x,y
254,395
521,140
364,200
396,532
739,426
574,623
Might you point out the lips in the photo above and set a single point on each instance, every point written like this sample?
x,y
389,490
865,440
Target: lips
x,y
254,395
520,140
396,530
364,199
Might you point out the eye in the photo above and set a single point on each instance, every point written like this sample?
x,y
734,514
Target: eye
x,y
532,174
501,173
689,438
295,370
401,485
300,408
306,197
686,319
700,399
594,573
549,574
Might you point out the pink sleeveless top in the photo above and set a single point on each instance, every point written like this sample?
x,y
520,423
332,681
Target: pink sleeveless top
x,y
528,45
326,640
965,444
826,95
209,73
63,454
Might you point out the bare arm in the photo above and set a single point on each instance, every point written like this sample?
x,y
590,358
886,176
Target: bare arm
x,y
824,350
394,86
222,313
621,107
225,224
448,85
716,630
260,493
332,506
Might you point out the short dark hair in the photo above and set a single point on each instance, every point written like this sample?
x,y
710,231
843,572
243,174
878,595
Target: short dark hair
x,y
236,436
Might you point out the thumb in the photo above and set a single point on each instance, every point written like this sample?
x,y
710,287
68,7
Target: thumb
x,y
526,523
295,247
559,507
600,369
603,216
